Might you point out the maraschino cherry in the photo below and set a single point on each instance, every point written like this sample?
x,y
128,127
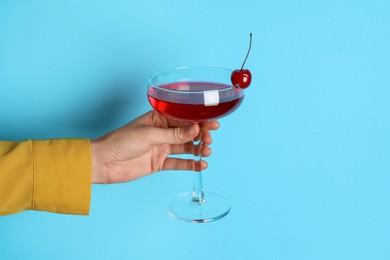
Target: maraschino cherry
x,y
243,77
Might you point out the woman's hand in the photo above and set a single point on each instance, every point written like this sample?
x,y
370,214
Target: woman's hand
x,y
142,147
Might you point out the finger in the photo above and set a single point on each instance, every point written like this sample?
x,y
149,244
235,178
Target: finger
x,y
210,125
154,118
188,148
182,164
206,151
177,135
206,138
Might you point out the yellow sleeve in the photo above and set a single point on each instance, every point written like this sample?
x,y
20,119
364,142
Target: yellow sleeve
x,y
48,175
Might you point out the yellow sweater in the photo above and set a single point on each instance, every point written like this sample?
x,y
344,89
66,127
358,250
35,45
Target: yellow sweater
x,y
52,175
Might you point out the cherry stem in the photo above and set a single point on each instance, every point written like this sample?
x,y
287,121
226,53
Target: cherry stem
x,y
249,50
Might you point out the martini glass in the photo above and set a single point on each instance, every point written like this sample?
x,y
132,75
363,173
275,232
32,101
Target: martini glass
x,y
195,94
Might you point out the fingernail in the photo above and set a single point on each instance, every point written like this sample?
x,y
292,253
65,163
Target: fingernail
x,y
192,129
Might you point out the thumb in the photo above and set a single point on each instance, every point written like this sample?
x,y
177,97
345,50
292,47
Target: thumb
x,y
176,135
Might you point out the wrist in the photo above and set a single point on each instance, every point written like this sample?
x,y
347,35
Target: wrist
x,y
98,169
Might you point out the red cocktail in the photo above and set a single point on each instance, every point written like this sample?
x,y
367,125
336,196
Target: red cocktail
x,y
206,100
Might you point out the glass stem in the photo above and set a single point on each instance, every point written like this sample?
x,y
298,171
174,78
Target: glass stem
x,y
197,191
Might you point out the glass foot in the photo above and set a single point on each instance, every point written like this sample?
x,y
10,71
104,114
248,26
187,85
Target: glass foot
x,y
213,207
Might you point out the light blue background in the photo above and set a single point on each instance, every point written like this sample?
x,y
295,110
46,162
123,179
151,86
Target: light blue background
x,y
305,161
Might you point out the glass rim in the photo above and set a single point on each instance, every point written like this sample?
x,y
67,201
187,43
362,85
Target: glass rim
x,y
152,84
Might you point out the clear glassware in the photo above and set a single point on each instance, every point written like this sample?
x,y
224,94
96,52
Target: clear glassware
x,y
195,94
